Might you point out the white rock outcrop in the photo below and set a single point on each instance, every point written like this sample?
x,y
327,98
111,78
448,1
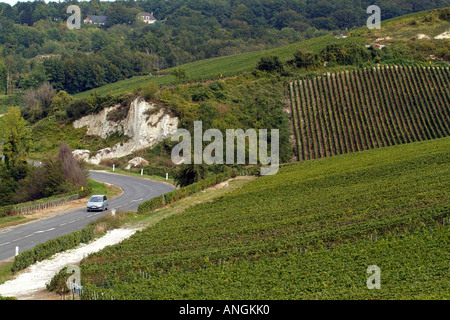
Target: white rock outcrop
x,y
443,36
81,154
144,130
136,162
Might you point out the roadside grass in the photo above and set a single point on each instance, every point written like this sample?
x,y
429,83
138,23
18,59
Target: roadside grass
x,y
5,271
108,190
11,221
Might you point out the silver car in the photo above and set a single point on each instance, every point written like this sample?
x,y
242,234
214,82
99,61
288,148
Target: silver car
x,y
97,202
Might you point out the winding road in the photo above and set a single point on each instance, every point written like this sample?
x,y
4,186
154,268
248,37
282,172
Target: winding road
x,y
26,236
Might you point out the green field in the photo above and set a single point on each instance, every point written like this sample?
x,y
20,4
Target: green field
x,y
250,243
369,108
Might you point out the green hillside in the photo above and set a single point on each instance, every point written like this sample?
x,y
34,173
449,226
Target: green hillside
x,y
369,108
376,207
214,68
396,31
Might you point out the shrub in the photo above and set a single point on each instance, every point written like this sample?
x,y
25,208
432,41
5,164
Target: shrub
x,y
444,14
306,59
47,249
173,196
158,171
270,64
149,91
78,109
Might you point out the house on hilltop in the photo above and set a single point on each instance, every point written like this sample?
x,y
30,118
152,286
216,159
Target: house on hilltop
x,y
148,18
100,20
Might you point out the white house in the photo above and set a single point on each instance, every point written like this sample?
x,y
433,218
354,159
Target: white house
x,y
148,17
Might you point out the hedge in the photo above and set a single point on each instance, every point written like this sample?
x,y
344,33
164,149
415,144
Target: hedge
x,y
175,195
158,171
47,249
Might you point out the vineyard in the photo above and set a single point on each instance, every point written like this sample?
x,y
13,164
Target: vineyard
x,y
369,108
308,232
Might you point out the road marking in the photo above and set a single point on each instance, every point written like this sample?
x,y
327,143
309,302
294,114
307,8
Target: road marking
x,y
63,224
4,244
30,235
41,231
69,222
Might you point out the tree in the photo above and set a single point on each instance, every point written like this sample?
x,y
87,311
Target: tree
x,y
3,78
344,18
243,13
58,174
270,64
59,102
77,109
7,186
118,13
74,171
38,102
323,23
285,18
187,174
44,95
306,59
14,141
180,74
346,54
54,69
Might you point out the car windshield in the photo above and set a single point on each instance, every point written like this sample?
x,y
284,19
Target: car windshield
x,y
96,199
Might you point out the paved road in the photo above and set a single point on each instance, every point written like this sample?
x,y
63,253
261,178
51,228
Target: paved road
x,y
136,190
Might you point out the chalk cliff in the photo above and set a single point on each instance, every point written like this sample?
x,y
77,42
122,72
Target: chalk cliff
x,y
145,124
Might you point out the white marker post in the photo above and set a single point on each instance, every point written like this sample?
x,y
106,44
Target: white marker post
x,y
17,251
167,176
114,167
142,172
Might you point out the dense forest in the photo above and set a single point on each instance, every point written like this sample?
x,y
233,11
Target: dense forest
x,y
36,46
